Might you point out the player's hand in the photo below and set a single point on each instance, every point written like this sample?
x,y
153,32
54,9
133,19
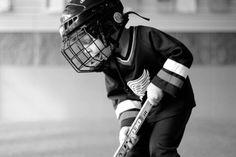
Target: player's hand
x,y
154,94
123,134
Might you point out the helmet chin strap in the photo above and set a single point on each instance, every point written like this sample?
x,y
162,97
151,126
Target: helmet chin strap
x,y
125,21
132,12
115,43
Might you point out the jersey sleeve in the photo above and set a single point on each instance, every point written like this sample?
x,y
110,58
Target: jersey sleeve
x,y
177,62
125,103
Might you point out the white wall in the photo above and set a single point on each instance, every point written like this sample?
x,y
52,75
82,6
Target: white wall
x,y
50,93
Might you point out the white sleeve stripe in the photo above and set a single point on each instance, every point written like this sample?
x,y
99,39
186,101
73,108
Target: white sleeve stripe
x,y
127,105
176,67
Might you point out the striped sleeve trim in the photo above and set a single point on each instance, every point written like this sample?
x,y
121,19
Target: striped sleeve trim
x,y
165,86
176,68
170,78
127,122
128,114
127,105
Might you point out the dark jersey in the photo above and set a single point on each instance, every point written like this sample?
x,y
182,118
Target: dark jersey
x,y
152,56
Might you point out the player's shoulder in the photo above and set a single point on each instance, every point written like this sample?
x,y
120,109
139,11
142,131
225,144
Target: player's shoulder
x,y
146,29
154,32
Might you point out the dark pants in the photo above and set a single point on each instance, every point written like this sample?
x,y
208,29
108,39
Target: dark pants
x,y
162,138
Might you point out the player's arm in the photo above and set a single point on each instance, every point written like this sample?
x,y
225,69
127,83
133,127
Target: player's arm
x,y
177,62
126,105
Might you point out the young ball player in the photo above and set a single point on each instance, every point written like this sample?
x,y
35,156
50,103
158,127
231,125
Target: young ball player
x,y
139,63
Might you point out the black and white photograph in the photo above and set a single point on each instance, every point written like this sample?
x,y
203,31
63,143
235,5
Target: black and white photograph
x,y
117,78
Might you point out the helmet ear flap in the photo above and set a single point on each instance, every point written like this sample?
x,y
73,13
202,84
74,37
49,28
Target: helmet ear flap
x,y
118,17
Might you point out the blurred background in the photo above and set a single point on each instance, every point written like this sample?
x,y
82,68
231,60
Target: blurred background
x,y
48,110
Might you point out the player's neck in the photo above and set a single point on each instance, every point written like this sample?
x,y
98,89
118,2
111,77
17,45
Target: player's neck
x,y
124,42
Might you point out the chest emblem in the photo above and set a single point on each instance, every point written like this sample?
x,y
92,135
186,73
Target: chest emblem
x,y
139,85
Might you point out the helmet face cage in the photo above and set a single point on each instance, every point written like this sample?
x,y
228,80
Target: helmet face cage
x,y
85,32
85,52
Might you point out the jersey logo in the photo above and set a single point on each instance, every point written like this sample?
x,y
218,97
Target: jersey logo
x,y
139,85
